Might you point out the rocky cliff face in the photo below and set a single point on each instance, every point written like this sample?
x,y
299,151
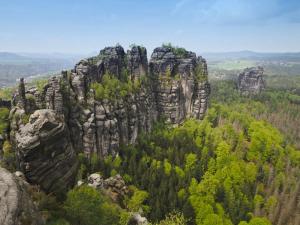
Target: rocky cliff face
x,y
45,151
104,102
251,81
17,208
179,83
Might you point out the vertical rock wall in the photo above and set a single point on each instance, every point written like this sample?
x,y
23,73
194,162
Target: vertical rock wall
x,y
173,86
179,83
251,81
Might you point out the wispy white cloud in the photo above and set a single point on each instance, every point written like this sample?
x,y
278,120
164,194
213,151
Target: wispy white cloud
x,y
179,5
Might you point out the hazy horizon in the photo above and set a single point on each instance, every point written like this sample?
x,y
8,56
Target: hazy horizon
x,y
80,54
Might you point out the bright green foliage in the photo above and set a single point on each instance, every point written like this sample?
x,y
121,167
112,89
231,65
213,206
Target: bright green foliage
x,y
114,89
174,218
167,78
190,162
200,74
258,201
4,114
179,172
256,221
7,93
167,167
136,202
221,170
40,84
86,206
271,203
9,156
277,105
266,142
94,162
178,51
214,171
294,156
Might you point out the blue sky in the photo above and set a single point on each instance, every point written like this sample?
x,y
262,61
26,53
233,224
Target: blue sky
x,y
73,26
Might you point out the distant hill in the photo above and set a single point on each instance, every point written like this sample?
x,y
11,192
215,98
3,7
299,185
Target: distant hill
x,y
10,56
16,65
228,64
250,55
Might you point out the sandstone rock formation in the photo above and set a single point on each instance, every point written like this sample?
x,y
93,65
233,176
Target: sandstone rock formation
x,y
173,86
95,180
179,83
45,152
251,81
114,187
137,219
16,206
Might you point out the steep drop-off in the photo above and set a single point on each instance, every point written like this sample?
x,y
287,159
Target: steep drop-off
x,y
17,207
103,103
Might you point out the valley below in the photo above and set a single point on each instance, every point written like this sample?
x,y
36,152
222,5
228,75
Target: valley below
x,y
170,140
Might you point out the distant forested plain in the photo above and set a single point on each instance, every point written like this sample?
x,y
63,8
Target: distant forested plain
x,y
13,66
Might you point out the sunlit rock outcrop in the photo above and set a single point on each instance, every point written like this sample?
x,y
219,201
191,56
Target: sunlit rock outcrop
x,y
104,102
251,80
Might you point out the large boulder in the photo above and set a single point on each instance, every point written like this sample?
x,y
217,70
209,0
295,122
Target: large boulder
x,y
114,187
95,180
16,205
137,219
251,80
45,151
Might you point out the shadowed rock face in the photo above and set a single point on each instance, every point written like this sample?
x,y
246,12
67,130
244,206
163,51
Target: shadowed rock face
x,y
251,81
69,117
137,62
16,206
180,84
45,152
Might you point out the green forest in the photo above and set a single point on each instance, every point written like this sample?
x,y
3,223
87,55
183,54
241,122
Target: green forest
x,y
237,166
127,112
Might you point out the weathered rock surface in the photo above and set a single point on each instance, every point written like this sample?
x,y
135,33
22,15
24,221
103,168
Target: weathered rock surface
x,y
45,152
179,83
137,219
114,187
251,81
95,180
16,205
68,118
